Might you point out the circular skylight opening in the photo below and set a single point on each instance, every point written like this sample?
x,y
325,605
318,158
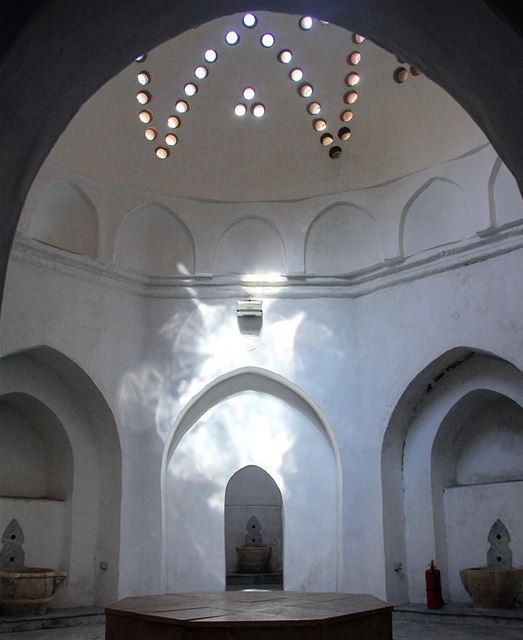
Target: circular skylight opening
x,y
143,78
190,89
346,116
249,93
171,139
258,110
314,108
358,38
240,110
306,23
181,106
319,125
355,57
232,37
327,139
267,40
145,116
285,56
201,72
173,122
344,133
400,75
143,97
351,97
306,90
151,134
296,75
162,153
335,153
353,79
141,57
210,55
250,20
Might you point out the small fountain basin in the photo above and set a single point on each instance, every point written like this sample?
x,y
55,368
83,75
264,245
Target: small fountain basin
x,y
254,558
28,590
493,588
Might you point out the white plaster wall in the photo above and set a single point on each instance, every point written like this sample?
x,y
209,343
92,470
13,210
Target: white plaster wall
x,y
23,471
491,449
470,512
151,349
44,527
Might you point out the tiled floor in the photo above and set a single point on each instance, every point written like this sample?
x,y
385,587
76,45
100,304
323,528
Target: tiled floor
x,y
407,630
403,630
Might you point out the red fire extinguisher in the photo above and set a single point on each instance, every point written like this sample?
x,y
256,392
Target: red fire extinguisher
x,y
433,584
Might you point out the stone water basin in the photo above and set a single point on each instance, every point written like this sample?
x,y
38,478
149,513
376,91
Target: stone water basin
x,y
28,590
493,588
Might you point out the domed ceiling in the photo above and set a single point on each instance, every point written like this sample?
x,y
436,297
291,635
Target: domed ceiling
x,y
258,107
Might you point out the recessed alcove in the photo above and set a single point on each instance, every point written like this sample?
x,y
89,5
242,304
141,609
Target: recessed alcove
x,y
62,216
60,472
437,214
251,492
250,418
36,477
461,451
152,240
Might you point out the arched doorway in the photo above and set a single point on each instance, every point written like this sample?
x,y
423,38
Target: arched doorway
x,y
253,501
250,417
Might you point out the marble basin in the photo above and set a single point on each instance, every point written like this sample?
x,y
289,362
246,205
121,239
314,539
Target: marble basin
x,y
493,588
27,590
254,558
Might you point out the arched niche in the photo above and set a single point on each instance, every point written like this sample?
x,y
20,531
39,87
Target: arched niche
x,y
477,477
251,245
63,217
416,460
154,241
35,457
437,214
61,407
505,199
252,492
250,417
340,240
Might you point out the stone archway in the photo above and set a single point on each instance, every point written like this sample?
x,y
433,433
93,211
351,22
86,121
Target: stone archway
x,y
250,416
70,412
414,469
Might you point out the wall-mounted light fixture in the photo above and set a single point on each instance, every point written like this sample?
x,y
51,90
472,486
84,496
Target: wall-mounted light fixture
x,y
250,307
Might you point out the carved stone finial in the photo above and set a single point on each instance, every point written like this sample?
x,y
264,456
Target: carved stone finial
x,y
12,554
499,555
253,529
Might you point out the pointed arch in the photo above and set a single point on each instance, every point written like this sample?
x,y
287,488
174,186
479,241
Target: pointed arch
x,y
250,245
154,241
64,217
506,203
266,383
438,213
410,506
61,391
341,238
